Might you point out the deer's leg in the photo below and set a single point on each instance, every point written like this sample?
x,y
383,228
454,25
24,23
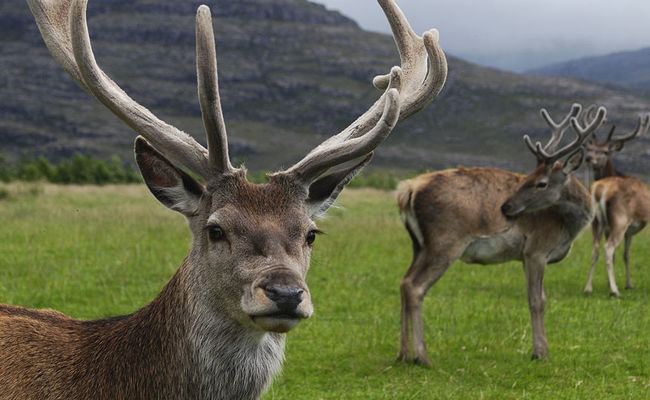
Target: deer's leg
x,y
534,267
416,285
405,316
626,259
597,233
616,236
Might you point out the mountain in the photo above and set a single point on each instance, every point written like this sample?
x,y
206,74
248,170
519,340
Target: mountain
x,y
291,74
628,69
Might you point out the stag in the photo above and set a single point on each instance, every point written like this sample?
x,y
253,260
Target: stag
x,y
622,204
490,216
217,329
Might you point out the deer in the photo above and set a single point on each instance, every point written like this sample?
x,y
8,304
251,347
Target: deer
x,y
217,329
490,216
621,203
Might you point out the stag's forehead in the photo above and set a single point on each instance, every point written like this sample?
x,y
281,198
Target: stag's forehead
x,y
597,146
234,196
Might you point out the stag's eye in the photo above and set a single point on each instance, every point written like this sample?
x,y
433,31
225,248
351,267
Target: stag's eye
x,y
311,237
541,185
216,233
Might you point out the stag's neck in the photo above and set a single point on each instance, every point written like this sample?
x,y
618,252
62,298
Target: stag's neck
x,y
574,207
179,347
607,171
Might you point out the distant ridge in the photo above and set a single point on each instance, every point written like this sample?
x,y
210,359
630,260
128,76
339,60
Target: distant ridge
x,y
628,69
291,72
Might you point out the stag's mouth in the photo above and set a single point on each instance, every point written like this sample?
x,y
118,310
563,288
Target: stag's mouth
x,y
280,322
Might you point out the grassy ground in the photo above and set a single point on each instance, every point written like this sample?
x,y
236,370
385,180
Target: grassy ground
x,y
93,252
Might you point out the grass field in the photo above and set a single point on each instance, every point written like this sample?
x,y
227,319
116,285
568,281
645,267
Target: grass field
x,y
93,252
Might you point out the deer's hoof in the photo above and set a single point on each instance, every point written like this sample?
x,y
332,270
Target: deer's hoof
x,y
615,295
629,287
422,361
539,356
403,357
588,292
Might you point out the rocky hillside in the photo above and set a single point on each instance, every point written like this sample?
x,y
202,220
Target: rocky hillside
x,y
628,69
291,74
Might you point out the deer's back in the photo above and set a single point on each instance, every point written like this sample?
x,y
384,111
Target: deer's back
x,y
47,355
623,195
37,350
465,199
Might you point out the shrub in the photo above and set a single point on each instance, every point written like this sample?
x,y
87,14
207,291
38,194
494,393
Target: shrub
x,y
78,169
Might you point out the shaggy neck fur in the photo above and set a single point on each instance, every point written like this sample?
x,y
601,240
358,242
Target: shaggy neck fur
x,y
181,349
575,207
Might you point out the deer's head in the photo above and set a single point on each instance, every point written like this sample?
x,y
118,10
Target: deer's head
x,y
544,187
251,242
599,154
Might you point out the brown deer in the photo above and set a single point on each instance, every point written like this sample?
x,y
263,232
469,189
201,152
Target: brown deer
x,y
622,204
217,329
490,216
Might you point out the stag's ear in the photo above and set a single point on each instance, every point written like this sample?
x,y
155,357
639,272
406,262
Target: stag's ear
x,y
171,186
324,191
617,145
574,161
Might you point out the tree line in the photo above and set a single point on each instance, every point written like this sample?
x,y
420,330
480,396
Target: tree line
x,y
88,170
78,169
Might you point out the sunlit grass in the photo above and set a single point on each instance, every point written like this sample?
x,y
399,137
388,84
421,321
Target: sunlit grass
x,y
93,252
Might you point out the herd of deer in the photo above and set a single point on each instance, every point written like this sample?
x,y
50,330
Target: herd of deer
x,y
217,329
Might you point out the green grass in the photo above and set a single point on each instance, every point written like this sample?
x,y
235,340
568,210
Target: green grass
x,y
92,252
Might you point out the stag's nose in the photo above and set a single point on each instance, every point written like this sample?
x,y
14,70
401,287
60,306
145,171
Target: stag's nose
x,y
286,298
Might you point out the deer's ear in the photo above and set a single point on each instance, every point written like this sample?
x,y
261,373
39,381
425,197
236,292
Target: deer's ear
x,y
324,191
171,186
573,162
617,145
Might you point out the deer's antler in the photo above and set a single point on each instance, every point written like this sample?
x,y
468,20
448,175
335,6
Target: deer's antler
x,y
422,75
408,88
557,129
548,157
64,29
642,125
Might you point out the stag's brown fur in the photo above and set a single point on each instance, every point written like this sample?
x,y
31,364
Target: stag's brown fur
x,y
46,355
622,206
456,214
216,331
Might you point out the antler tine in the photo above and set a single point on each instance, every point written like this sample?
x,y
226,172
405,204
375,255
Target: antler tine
x,y
582,135
312,167
642,125
533,147
208,90
610,134
418,81
558,129
429,67
64,29
588,115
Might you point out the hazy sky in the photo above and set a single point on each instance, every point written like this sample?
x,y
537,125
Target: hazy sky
x,y
518,34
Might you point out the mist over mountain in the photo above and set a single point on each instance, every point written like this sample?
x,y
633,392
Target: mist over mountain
x,y
291,74
628,69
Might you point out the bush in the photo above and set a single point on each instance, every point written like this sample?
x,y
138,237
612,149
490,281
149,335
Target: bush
x,y
79,169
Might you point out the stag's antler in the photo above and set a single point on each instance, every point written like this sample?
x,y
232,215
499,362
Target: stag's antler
x,y
588,115
407,89
64,28
557,129
582,134
642,125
